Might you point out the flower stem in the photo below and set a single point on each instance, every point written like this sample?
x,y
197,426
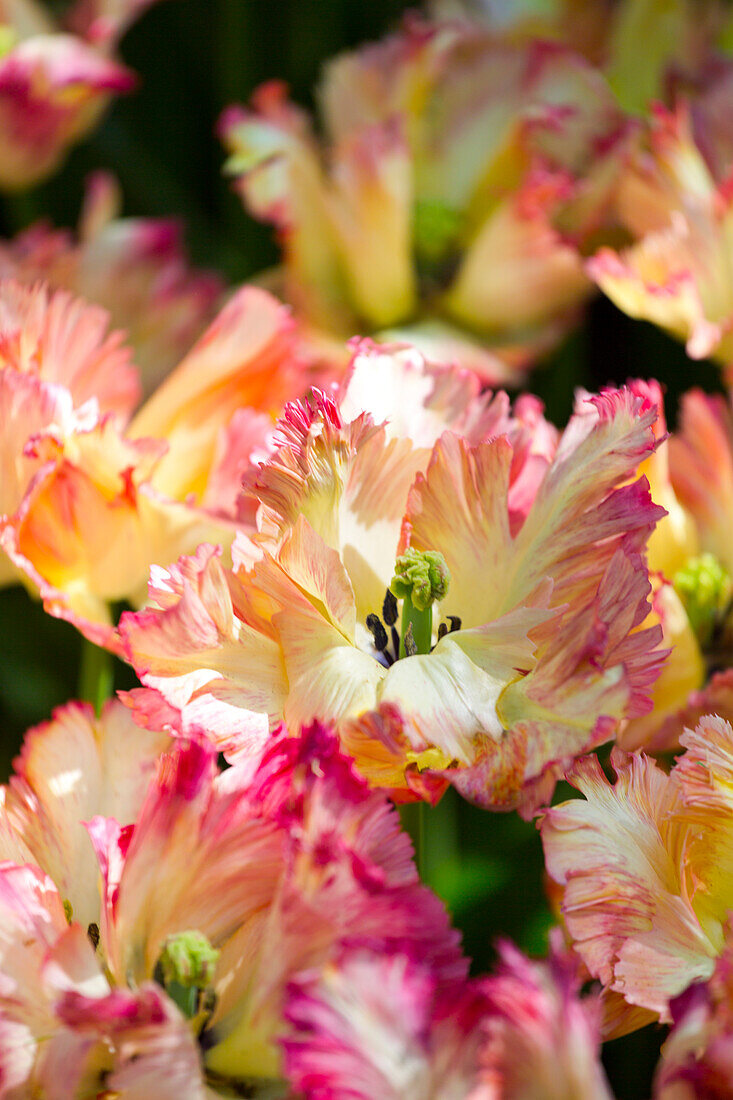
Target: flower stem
x,y
96,674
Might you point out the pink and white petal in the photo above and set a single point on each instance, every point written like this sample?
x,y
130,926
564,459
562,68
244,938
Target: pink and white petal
x,y
541,1039
418,398
39,954
150,1048
349,481
578,503
70,769
371,1025
199,857
397,387
627,903
597,669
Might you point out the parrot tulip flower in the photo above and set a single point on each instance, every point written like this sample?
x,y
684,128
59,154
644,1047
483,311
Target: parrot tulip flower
x,y
645,868
539,587
461,175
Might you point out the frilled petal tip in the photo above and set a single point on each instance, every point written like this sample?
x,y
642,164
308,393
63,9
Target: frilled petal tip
x,y
52,90
653,281
135,268
63,340
177,646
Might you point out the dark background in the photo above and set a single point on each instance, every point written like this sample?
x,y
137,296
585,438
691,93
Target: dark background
x,y
194,57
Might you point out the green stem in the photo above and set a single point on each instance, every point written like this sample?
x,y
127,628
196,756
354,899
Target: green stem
x,y
96,674
422,626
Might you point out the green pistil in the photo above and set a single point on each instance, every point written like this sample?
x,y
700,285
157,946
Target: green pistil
x,y
185,968
436,227
704,587
421,577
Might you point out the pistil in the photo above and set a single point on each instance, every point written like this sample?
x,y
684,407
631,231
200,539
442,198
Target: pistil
x,y
421,577
185,969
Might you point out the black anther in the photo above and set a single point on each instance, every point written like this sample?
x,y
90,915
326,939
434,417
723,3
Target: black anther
x,y
410,644
389,608
442,631
374,624
455,623
93,935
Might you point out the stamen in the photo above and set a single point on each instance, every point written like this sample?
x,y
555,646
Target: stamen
x,y
395,642
410,643
442,631
455,623
93,935
379,634
389,608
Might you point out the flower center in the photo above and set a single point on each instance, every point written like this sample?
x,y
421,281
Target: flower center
x,y
421,577
704,588
185,969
